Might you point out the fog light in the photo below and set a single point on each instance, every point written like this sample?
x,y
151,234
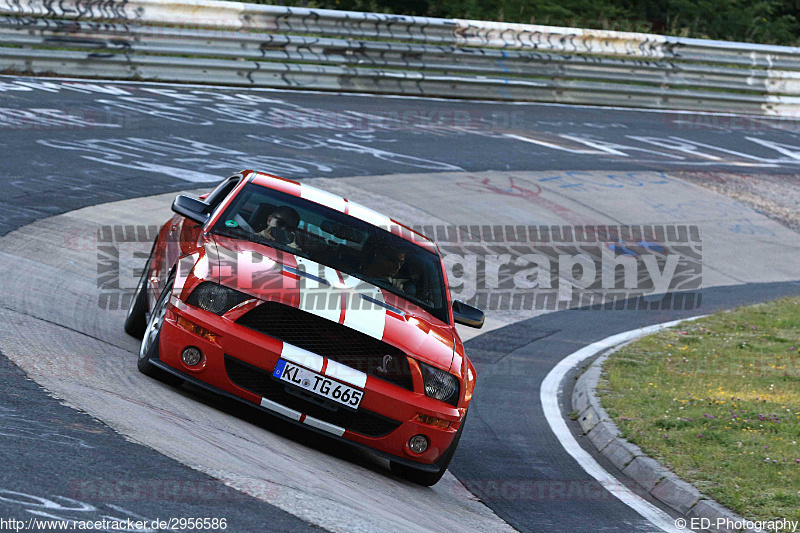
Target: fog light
x,y
418,443
191,356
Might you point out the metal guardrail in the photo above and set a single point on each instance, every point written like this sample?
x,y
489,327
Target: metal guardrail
x,y
270,46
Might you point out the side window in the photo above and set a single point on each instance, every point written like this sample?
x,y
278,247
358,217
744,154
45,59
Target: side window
x,y
221,192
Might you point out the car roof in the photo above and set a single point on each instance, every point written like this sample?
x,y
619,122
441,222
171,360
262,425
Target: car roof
x,y
343,205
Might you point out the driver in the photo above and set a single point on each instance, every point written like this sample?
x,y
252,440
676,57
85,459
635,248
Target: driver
x,y
382,263
281,225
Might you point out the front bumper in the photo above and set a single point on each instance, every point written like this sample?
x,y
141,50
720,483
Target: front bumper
x,y
384,422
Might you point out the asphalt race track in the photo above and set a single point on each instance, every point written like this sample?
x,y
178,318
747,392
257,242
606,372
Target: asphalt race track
x,y
77,142
85,436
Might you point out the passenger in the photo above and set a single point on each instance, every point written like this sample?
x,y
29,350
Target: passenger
x,y
281,227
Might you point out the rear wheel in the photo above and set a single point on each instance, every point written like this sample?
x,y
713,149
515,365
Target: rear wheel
x,y
136,320
423,477
152,333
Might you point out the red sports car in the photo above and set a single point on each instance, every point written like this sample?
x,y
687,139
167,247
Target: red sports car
x,y
312,308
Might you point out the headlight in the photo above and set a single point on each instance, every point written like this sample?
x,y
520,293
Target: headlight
x,y
215,297
439,384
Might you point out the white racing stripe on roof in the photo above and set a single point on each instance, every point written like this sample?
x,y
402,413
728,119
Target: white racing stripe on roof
x,y
345,373
278,408
368,215
302,357
324,426
334,201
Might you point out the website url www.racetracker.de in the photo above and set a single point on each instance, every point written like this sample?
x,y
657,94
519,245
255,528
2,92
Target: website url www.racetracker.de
x,y
173,524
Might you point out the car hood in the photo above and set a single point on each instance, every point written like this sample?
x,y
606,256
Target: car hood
x,y
270,274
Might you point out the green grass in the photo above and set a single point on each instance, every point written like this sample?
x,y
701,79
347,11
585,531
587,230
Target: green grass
x,y
717,400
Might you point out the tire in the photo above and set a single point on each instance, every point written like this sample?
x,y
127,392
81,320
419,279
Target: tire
x,y
151,337
136,319
425,478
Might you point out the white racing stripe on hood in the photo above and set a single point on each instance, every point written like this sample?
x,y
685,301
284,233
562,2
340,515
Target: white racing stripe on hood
x,y
316,297
326,300
364,315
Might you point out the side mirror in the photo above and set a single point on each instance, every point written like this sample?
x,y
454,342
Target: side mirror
x,y
467,315
191,208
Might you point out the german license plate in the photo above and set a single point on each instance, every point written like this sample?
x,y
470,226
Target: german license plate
x,y
318,384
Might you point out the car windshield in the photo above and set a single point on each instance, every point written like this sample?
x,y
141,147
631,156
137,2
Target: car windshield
x,y
337,240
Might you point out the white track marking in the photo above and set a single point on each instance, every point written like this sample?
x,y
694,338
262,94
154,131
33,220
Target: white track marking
x,y
397,97
549,399
599,150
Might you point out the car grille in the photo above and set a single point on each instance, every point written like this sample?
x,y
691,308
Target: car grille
x,y
260,382
332,340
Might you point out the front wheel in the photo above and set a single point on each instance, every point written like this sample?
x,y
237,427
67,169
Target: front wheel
x,y
423,477
136,319
152,333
